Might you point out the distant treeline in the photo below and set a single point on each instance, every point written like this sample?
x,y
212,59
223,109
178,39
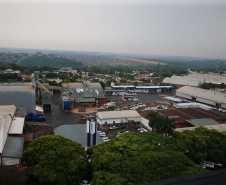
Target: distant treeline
x,y
45,60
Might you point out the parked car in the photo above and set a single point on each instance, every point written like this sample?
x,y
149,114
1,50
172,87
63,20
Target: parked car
x,y
127,131
105,139
102,134
113,127
118,133
208,164
83,117
202,165
84,182
217,164
121,127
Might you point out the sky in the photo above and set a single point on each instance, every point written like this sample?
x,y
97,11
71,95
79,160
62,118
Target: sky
x,y
162,27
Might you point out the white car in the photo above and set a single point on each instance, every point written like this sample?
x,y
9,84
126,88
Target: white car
x,y
217,164
113,127
84,182
102,134
106,140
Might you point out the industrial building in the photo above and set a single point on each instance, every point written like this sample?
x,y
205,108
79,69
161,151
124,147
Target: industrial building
x,y
11,127
190,117
181,81
209,97
44,95
171,101
82,94
18,94
144,89
126,117
209,78
193,105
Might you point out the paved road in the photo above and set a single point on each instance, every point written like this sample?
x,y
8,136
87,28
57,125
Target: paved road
x,y
59,117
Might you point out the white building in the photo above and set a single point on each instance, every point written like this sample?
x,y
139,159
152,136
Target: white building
x,y
184,80
209,78
118,117
11,147
209,97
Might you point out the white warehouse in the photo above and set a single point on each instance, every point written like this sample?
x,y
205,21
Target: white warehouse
x,y
125,117
209,97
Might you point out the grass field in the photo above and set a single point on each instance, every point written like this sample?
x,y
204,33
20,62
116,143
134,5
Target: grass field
x,y
140,61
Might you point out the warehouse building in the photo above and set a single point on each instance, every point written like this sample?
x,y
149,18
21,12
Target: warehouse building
x,y
209,78
82,94
190,117
144,89
181,81
18,94
209,97
120,118
11,126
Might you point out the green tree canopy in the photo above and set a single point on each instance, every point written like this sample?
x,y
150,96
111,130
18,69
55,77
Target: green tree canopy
x,y
204,144
131,158
56,160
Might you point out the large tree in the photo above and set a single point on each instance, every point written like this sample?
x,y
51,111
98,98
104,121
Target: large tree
x,y
56,160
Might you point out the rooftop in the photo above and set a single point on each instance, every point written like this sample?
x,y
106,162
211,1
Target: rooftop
x,y
181,115
13,147
118,114
217,97
75,133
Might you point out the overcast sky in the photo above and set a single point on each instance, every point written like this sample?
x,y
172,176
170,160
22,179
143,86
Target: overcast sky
x,y
167,27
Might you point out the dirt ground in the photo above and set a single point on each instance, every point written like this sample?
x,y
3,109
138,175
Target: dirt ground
x,y
87,110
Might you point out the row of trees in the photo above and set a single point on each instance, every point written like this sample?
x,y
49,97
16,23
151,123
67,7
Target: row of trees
x,y
212,86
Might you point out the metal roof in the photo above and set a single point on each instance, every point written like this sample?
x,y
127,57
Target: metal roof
x,y
142,87
219,127
193,104
89,90
16,84
210,78
85,100
184,80
217,97
181,115
13,147
6,112
118,114
7,109
20,96
83,93
202,122
17,126
75,133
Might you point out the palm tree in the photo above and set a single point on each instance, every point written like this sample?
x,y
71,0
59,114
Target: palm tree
x,y
161,124
167,126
